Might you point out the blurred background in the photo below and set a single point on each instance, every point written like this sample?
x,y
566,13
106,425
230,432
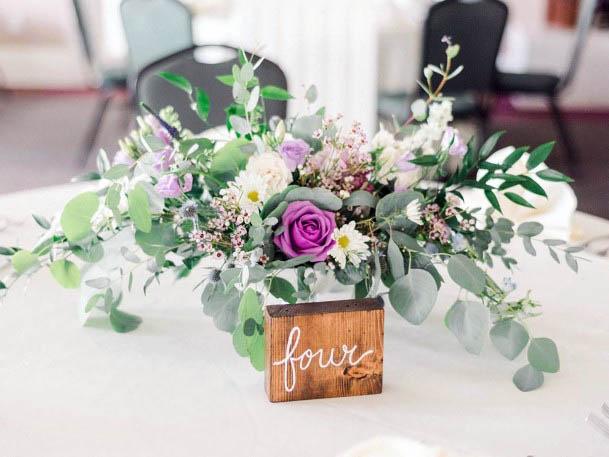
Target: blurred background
x,y
69,70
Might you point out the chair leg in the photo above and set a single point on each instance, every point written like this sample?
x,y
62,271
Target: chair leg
x,y
94,127
563,132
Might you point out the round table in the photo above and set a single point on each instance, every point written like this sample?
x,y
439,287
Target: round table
x,y
176,387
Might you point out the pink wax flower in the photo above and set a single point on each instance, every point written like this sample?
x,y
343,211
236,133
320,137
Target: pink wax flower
x,y
307,231
294,152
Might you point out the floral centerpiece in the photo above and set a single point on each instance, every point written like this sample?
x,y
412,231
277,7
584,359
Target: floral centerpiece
x,y
313,198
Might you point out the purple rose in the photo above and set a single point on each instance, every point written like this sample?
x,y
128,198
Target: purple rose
x,y
452,141
307,231
294,152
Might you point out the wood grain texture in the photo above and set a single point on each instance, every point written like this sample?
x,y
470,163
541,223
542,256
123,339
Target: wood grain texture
x,y
323,350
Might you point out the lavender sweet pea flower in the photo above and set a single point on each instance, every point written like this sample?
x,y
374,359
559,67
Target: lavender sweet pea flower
x,y
163,159
453,141
168,186
404,163
158,130
307,231
122,158
294,152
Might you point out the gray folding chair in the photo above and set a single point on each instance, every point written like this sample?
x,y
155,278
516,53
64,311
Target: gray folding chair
x,y
201,65
551,85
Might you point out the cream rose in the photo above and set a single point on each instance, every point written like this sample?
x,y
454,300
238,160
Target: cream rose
x,y
271,167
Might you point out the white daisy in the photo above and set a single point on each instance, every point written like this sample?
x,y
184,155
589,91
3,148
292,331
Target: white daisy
x,y
252,190
413,212
350,245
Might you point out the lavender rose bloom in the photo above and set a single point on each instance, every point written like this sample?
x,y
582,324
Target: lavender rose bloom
x,y
294,152
307,231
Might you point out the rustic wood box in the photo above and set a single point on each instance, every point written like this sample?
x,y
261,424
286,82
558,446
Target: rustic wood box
x,y
325,349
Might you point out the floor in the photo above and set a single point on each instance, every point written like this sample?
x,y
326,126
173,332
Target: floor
x,y
41,140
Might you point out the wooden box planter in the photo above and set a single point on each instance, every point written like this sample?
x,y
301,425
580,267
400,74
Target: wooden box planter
x,y
325,349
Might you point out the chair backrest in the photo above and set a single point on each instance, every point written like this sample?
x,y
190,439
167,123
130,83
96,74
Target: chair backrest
x,y
201,65
154,29
476,25
584,23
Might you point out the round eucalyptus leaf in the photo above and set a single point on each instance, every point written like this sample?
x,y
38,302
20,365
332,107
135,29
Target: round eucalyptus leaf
x,y
395,260
543,355
240,340
529,229
528,378
322,198
468,321
66,273
509,337
76,217
391,210
361,198
466,274
414,295
23,261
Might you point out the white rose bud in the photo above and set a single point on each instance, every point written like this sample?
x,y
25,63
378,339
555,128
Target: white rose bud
x,y
419,109
280,131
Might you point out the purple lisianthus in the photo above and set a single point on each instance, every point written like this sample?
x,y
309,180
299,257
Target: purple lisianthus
x,y
294,152
169,186
453,141
307,230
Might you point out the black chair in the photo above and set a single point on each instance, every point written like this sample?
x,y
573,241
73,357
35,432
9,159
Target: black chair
x,y
201,65
550,85
478,26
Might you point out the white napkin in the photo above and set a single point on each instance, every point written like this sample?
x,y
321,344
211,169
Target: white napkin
x,y
393,446
555,213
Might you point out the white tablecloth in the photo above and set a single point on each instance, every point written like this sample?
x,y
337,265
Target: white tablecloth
x,y
176,387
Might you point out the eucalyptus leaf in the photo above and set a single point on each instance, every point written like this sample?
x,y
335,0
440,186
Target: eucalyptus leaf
x,y
528,378
509,337
320,197
24,261
76,217
543,355
469,322
139,209
529,229
281,289
414,295
466,274
117,172
528,245
395,260
360,198
571,262
391,210
42,221
123,322
66,273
